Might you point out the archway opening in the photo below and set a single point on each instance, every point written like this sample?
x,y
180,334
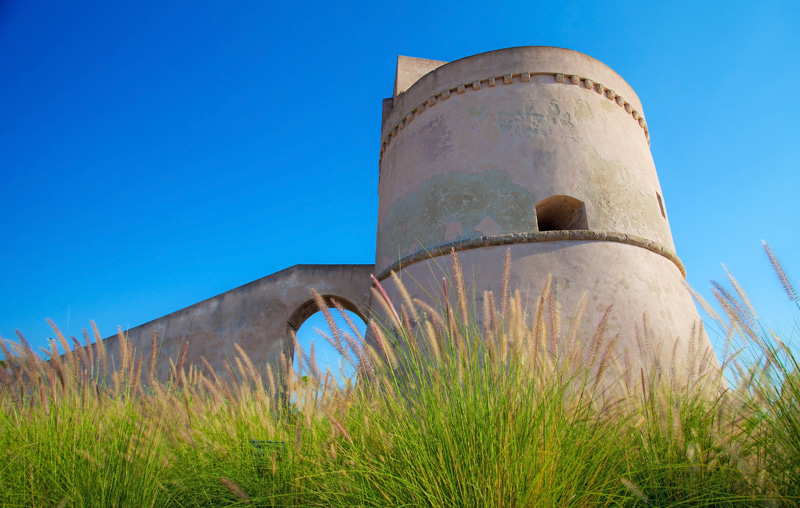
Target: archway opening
x,y
559,213
329,359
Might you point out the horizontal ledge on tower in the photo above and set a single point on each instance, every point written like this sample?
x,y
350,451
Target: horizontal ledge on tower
x,y
581,235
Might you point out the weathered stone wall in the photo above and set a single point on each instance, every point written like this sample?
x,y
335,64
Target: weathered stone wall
x,y
258,316
546,150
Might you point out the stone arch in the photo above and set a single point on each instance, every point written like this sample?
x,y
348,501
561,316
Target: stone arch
x,y
308,308
560,213
258,317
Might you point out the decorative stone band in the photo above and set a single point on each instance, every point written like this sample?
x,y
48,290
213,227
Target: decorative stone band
x,y
533,237
508,79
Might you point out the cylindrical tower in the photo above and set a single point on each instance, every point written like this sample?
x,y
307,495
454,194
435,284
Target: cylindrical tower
x,y
543,150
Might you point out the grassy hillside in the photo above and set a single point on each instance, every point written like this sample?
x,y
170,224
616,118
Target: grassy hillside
x,y
456,405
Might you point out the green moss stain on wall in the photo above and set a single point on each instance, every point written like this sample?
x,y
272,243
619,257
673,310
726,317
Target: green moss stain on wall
x,y
450,207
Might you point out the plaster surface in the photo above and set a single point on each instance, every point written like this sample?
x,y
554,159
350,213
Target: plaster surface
x,y
516,148
492,153
258,316
653,312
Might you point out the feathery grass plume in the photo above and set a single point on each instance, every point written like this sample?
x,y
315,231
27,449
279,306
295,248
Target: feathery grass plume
x,y
360,352
311,363
323,307
338,346
784,279
539,331
69,358
244,378
82,356
124,351
235,387
692,354
380,294
209,369
543,338
555,321
287,371
734,315
8,384
271,380
210,389
181,360
461,292
151,363
137,376
347,319
56,364
488,326
506,282
575,324
101,352
28,359
432,314
338,425
251,370
12,365
24,356
386,348
89,349
405,298
408,331
608,356
433,342
674,357
597,338
707,308
742,295
298,354
235,489
745,320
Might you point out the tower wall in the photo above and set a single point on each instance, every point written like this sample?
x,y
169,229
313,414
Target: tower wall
x,y
545,150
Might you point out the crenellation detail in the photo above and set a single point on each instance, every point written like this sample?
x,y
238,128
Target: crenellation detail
x,y
525,77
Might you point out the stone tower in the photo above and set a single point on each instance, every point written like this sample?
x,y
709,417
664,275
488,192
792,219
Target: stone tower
x,y
541,150
544,151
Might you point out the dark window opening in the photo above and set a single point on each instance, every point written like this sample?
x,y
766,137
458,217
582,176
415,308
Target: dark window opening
x,y
558,213
661,205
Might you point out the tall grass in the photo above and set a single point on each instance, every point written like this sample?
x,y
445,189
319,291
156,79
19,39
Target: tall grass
x,y
458,403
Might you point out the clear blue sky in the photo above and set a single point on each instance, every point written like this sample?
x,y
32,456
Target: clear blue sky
x,y
154,154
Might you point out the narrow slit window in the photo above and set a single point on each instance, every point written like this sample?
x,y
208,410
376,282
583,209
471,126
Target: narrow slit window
x,y
560,213
661,205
